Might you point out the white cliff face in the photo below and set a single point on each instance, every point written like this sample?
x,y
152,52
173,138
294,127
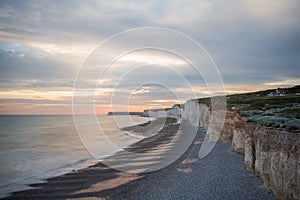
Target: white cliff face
x,y
174,112
272,154
204,116
158,114
249,158
197,114
238,140
191,112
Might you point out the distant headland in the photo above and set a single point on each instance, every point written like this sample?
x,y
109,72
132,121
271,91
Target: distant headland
x,y
124,113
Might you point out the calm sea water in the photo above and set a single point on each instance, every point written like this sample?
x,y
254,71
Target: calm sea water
x,y
34,148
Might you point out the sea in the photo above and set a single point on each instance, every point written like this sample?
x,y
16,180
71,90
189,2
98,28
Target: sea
x,y
34,148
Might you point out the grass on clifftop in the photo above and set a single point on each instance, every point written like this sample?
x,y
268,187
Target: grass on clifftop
x,y
270,111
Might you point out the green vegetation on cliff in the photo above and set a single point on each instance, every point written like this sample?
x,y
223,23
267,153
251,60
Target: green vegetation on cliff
x,y
272,108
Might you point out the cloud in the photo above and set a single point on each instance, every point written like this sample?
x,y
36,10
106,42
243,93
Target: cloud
x,y
238,34
142,90
22,62
43,43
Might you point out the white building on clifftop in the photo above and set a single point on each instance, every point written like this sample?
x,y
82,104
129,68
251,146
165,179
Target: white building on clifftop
x,y
277,93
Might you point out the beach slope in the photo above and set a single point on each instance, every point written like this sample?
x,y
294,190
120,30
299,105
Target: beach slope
x,y
220,175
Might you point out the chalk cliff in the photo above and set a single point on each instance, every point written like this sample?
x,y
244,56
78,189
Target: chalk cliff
x,y
273,154
174,112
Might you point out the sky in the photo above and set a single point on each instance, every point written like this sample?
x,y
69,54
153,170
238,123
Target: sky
x,y
44,45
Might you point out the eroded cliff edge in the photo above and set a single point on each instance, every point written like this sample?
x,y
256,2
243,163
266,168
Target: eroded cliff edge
x,y
271,153
263,127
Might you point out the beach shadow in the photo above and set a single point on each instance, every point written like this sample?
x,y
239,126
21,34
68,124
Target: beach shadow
x,y
101,181
83,184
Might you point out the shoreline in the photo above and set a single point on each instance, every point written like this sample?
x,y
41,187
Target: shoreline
x,y
100,181
24,183
137,146
148,129
70,168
